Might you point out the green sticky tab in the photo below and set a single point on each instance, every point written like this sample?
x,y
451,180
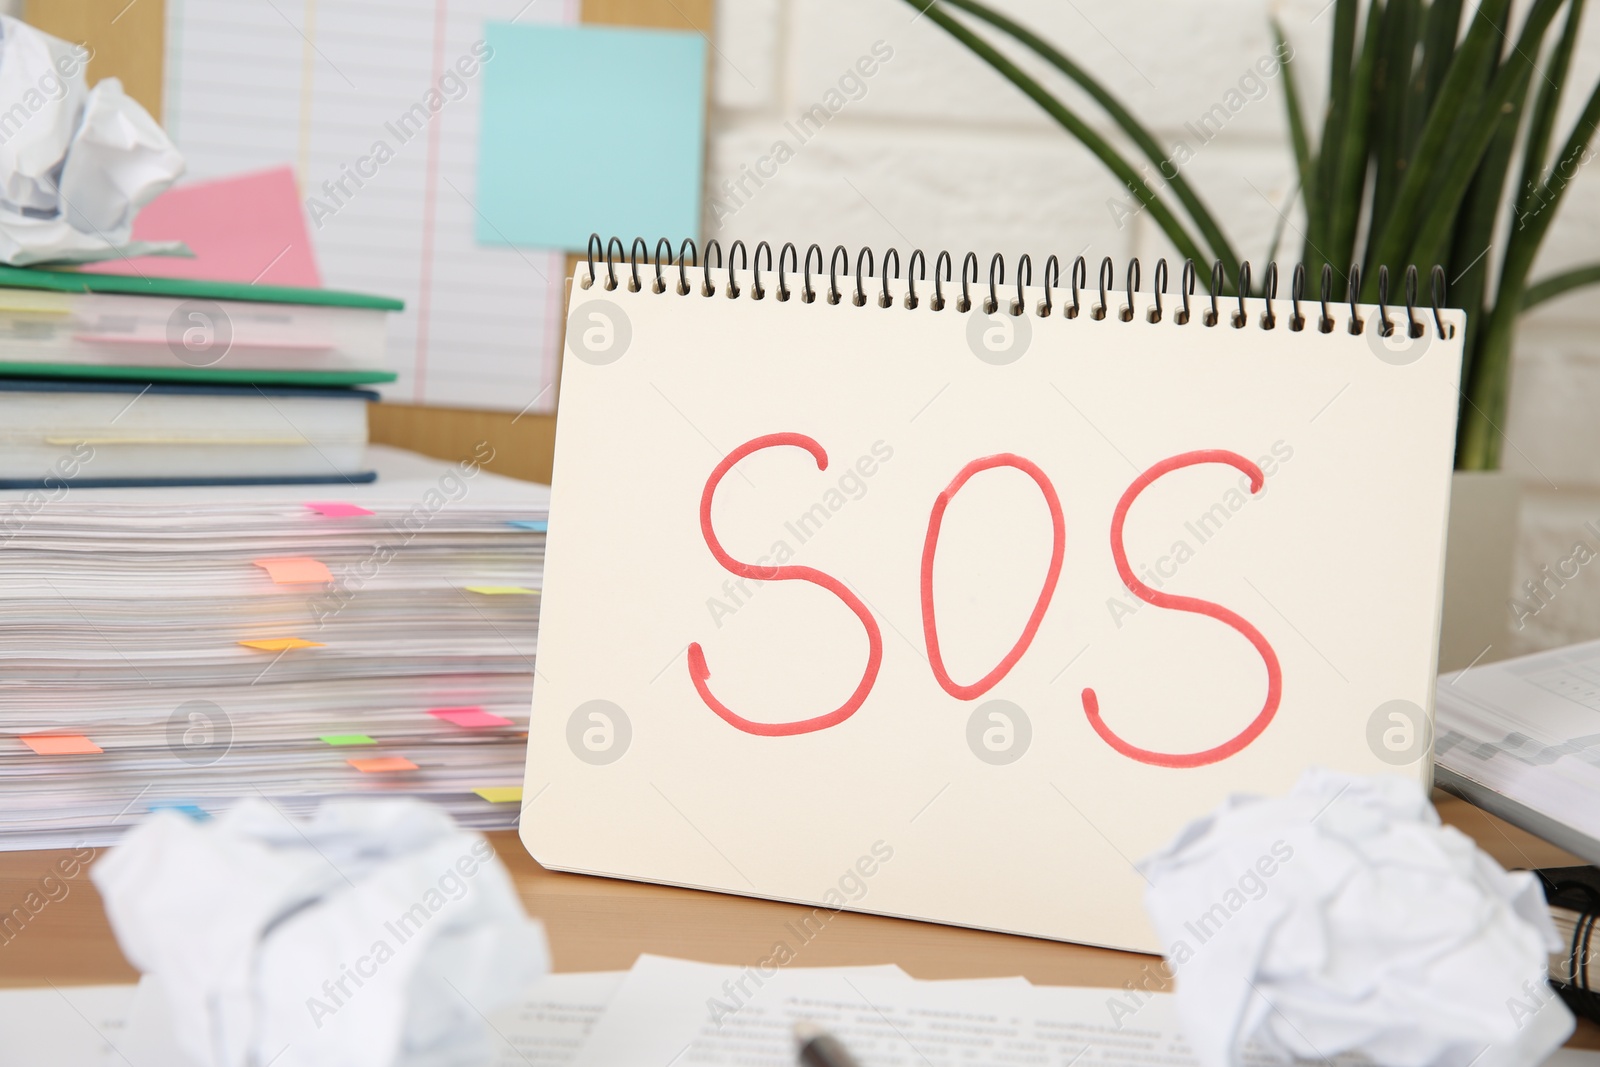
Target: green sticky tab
x,y
346,739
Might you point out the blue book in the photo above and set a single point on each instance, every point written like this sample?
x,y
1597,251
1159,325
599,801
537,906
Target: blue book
x,y
102,433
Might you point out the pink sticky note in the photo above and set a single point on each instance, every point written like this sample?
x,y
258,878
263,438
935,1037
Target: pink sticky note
x,y
469,718
336,509
293,570
382,764
61,744
244,228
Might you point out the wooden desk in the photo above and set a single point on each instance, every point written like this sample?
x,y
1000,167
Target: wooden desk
x,y
604,924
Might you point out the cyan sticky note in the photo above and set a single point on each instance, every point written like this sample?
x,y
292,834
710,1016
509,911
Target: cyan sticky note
x,y
590,129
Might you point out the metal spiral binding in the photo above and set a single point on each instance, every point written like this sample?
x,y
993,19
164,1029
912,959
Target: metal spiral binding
x,y
917,270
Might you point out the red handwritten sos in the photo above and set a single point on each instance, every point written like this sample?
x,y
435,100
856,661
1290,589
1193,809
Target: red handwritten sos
x,y
700,673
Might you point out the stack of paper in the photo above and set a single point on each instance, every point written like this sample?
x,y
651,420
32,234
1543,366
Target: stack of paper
x,y
668,1011
185,647
1521,738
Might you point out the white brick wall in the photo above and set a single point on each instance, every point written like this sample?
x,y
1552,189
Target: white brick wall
x,y
940,152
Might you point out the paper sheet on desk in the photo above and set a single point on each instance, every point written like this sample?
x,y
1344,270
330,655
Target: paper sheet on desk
x,y
885,1017
88,1026
696,1013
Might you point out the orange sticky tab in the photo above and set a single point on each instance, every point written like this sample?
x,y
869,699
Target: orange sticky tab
x,y
382,764
61,744
336,509
293,570
279,644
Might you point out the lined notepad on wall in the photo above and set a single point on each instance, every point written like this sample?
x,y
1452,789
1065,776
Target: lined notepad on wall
x,y
322,86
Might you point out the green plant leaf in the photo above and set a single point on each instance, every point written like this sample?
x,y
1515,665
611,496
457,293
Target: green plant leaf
x,y
1542,122
1321,213
1437,35
1304,162
1531,227
1392,89
1560,284
1352,177
1438,47
1457,103
1480,162
1474,235
1073,124
1497,119
1125,120
1478,444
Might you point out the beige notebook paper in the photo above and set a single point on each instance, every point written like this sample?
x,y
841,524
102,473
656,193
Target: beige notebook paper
x,y
956,615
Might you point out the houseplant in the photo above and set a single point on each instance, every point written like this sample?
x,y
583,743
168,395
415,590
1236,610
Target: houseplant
x,y
1411,162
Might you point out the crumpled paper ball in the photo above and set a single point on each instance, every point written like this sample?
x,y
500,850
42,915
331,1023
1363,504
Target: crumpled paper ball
x,y
1343,917
375,933
76,164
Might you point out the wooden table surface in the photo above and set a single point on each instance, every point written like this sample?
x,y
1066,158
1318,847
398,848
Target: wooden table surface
x,y
604,924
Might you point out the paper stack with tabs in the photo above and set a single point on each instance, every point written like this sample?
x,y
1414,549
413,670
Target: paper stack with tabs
x,y
185,647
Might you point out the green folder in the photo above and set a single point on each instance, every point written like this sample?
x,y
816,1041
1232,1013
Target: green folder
x,y
64,281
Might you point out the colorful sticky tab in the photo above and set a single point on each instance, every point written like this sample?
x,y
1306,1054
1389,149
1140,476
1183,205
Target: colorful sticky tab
x,y
346,739
500,794
61,744
382,764
295,570
194,811
536,525
336,509
469,718
502,590
280,644
34,302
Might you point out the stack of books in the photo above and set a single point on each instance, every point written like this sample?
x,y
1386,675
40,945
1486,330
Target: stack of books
x,y
186,620
117,380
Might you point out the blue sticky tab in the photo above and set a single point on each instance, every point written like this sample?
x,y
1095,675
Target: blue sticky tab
x,y
536,525
194,811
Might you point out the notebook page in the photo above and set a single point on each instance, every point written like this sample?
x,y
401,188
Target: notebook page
x,y
882,608
341,90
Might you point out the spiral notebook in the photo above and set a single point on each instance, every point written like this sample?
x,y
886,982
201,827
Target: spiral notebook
x,y
954,603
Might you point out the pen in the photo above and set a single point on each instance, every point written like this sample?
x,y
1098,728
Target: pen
x,y
818,1048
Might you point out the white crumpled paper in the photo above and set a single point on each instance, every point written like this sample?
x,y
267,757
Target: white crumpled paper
x,y
1343,917
76,164
375,933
